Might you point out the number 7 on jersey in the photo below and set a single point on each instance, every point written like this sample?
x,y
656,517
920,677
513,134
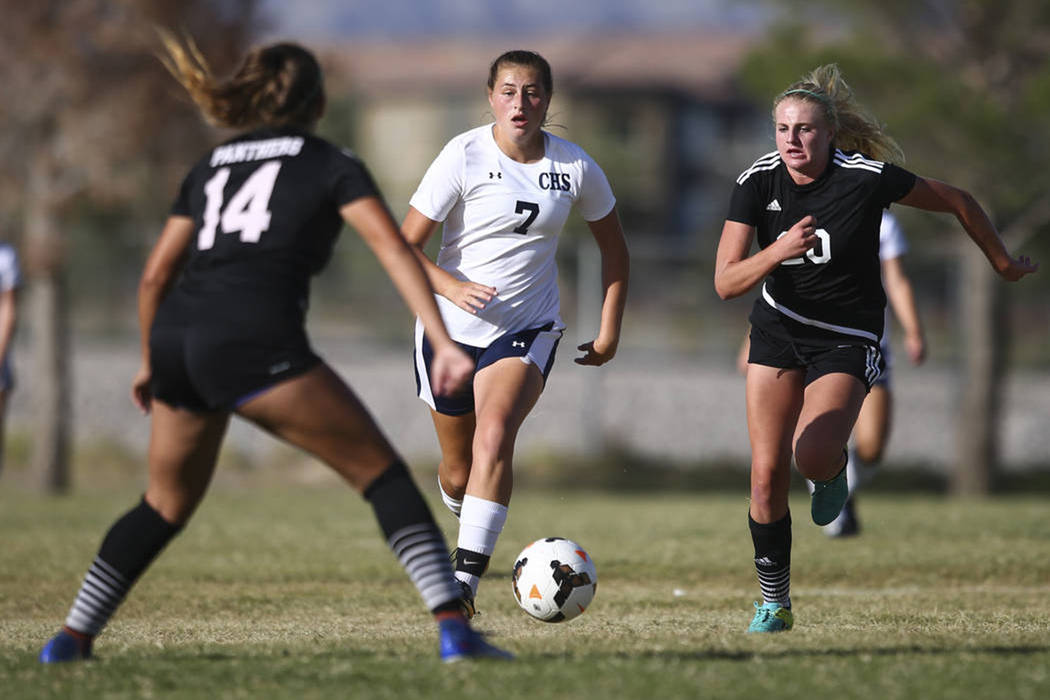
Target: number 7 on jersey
x,y
520,208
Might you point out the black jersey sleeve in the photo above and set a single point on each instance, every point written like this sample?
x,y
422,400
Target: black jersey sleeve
x,y
744,206
895,183
181,206
349,178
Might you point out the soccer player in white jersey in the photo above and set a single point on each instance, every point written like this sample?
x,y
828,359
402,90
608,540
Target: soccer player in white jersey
x,y
872,430
814,206
10,278
504,191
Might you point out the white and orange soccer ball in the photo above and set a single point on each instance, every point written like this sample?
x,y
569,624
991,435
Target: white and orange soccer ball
x,y
554,579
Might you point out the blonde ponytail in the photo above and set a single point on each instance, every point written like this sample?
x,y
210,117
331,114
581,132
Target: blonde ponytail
x,y
856,129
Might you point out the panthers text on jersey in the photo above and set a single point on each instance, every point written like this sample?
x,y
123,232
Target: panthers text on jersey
x,y
501,220
266,208
836,288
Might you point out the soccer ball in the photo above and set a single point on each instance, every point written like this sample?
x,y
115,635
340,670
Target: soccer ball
x,y
554,579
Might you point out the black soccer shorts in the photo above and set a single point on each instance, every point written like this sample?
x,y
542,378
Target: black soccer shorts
x,y
853,356
217,367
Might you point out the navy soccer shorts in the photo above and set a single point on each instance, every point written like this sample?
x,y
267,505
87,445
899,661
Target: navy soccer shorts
x,y
535,346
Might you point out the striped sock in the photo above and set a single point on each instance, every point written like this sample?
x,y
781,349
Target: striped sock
x,y
412,534
131,544
102,591
773,559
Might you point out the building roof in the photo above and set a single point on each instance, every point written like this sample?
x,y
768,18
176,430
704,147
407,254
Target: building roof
x,y
702,65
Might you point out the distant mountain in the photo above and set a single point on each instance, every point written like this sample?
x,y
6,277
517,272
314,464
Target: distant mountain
x,y
408,19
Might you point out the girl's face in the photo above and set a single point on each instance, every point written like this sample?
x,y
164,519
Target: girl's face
x,y
803,137
519,102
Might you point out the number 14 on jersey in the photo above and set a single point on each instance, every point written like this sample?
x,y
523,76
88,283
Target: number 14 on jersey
x,y
248,210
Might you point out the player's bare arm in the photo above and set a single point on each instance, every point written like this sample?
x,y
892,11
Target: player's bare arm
x,y
933,195
467,295
608,233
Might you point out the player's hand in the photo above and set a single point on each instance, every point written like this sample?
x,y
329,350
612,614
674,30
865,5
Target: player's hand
x,y
597,352
469,296
450,370
798,239
915,345
1016,268
141,395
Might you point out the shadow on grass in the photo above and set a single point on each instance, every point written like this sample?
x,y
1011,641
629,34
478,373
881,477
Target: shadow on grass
x,y
910,650
624,471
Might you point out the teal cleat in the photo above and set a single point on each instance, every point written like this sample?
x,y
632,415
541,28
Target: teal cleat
x,y
828,498
459,642
771,617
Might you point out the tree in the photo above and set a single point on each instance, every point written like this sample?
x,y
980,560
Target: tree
x,y
89,120
965,86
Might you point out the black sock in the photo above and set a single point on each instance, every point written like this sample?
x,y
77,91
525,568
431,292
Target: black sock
x,y
131,544
410,530
773,558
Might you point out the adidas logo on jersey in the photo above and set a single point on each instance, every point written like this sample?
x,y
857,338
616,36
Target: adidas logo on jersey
x,y
773,206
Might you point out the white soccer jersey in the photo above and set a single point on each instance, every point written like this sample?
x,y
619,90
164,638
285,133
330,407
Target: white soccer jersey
x,y
892,244
10,277
501,220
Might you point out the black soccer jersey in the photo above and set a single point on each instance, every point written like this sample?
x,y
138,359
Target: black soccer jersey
x,y
836,288
266,206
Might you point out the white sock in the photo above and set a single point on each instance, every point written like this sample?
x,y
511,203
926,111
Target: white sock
x,y
480,524
853,470
452,504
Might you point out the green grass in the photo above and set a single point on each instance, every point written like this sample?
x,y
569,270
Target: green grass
x,y
289,592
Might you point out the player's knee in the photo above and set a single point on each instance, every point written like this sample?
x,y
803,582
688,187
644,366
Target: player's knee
x,y
454,475
868,453
491,441
763,487
817,461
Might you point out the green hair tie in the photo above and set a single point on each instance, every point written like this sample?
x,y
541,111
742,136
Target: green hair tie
x,y
803,91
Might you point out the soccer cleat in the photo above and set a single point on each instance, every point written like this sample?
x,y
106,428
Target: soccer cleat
x,y
459,642
466,600
846,524
771,617
65,647
828,498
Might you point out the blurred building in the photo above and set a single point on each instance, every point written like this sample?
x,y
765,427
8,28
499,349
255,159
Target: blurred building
x,y
660,113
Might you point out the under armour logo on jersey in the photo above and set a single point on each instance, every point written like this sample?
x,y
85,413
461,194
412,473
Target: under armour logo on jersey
x,y
498,176
773,206
517,343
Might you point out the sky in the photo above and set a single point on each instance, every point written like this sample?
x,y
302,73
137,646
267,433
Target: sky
x,y
407,19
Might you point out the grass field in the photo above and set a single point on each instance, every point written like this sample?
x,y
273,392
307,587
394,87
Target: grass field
x,y
289,592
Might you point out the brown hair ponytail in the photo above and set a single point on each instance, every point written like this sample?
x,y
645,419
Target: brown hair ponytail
x,y
276,85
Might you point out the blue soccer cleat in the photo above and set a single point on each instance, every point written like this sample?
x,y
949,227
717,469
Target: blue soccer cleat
x,y
771,617
65,647
459,641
